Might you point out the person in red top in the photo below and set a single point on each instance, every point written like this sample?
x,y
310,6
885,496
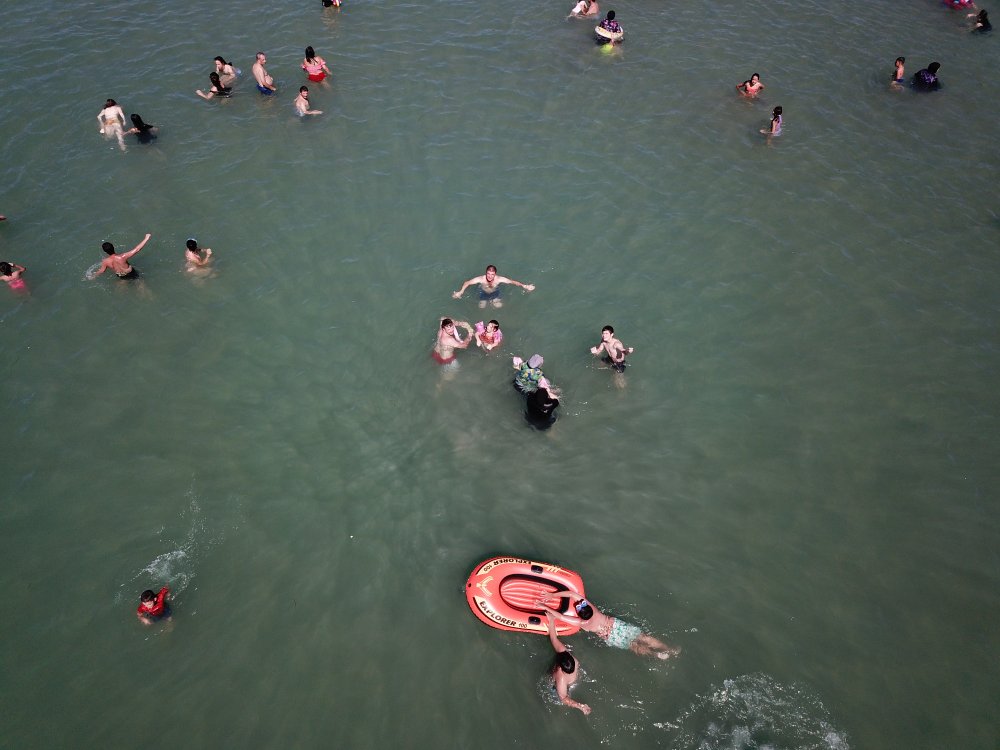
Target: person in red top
x,y
153,607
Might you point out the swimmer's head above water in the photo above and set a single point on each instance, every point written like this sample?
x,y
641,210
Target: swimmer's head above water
x,y
583,609
566,662
445,322
108,248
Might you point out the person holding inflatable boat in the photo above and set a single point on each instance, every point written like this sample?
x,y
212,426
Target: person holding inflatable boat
x,y
609,31
565,672
611,630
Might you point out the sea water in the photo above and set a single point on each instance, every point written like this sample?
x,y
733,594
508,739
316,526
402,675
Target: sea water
x,y
793,481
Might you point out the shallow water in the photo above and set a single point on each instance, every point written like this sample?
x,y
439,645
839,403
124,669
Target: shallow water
x,y
795,483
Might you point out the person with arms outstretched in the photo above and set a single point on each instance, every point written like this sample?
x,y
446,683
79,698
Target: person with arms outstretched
x,y
489,287
565,672
119,263
611,630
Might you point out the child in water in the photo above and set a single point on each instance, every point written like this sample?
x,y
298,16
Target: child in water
x,y
898,74
153,607
488,337
11,274
774,128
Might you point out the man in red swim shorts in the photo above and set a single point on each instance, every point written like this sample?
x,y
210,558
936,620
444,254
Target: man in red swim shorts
x,y
448,341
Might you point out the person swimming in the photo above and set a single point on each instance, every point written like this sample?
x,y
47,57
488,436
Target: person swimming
x,y
898,73
314,66
982,21
145,132
10,273
750,88
774,128
112,120
227,73
216,89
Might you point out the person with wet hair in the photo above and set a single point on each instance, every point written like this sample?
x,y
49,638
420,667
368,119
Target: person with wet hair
x,y
216,89
145,132
774,127
982,23
315,66
119,263
112,121
197,258
565,672
227,73
751,87
898,73
153,607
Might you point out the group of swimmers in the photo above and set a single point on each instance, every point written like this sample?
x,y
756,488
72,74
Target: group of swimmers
x,y
225,75
541,396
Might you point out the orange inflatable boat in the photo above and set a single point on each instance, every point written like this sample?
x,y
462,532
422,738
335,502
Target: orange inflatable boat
x,y
503,592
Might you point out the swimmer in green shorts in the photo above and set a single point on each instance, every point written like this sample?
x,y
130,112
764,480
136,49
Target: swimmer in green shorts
x,y
611,630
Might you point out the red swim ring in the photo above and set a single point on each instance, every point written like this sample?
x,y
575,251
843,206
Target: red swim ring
x,y
502,592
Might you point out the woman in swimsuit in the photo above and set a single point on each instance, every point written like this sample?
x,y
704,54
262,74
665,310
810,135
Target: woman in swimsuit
x,y
112,119
11,274
775,127
315,67
216,89
227,73
898,73
750,88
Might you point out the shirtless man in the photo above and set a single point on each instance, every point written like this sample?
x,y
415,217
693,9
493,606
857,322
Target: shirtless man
x,y
302,103
565,672
611,630
489,283
614,350
265,84
448,341
119,263
112,120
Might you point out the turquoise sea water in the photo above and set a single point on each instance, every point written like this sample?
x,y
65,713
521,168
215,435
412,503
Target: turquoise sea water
x,y
795,484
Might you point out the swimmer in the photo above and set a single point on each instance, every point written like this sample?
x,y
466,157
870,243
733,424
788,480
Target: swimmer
x,y
611,630
982,21
119,263
750,88
315,67
265,84
528,373
898,73
584,8
774,128
613,30
10,273
197,258
302,103
565,672
540,405
488,337
216,89
331,3
489,282
926,79
613,349
227,73
112,120
153,607
144,132
448,341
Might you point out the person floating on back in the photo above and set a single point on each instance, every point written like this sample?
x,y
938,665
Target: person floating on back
x,y
565,672
489,287
153,607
